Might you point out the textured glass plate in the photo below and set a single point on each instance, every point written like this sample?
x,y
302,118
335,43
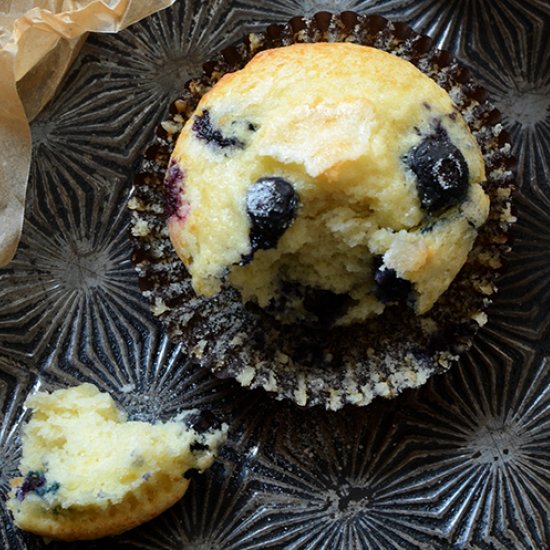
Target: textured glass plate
x,y
463,462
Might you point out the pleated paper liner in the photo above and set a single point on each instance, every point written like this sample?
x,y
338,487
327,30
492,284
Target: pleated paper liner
x,y
318,366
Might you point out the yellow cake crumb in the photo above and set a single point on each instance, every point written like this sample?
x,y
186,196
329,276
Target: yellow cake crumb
x,y
89,472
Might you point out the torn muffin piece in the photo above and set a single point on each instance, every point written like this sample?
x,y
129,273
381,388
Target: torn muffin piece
x,y
89,472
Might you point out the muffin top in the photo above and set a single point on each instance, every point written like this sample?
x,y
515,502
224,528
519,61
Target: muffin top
x,y
326,175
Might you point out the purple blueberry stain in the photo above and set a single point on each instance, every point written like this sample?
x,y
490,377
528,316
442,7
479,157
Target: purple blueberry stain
x,y
35,482
174,205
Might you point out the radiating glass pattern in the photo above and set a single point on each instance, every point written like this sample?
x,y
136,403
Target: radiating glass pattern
x,y
463,462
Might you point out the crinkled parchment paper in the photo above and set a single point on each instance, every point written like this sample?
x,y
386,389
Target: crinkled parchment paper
x,y
38,42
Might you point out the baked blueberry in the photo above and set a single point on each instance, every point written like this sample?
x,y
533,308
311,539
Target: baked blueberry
x,y
33,481
271,206
172,185
389,287
204,130
441,172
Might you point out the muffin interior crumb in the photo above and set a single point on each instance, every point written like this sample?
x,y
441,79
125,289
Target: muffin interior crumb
x,y
82,457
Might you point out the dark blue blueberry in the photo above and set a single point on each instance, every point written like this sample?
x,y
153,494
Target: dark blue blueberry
x,y
204,130
33,481
441,172
271,205
389,287
173,182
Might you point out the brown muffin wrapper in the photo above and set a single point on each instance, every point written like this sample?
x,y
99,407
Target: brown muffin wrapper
x,y
341,365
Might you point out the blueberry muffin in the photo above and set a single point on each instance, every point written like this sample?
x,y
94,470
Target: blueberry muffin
x,y
357,183
325,210
88,472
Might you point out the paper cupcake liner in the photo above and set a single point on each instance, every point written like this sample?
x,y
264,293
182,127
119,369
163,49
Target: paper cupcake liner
x,y
342,365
